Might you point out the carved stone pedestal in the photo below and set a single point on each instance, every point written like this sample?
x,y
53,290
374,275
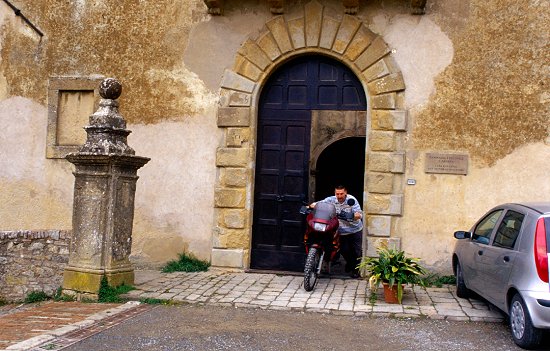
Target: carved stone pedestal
x,y
103,209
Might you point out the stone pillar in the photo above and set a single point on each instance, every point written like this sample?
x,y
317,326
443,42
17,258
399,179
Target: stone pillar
x,y
103,208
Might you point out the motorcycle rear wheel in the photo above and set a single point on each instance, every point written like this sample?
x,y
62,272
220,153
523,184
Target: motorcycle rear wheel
x,y
310,269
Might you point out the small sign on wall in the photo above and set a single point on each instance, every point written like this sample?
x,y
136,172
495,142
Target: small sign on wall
x,y
446,163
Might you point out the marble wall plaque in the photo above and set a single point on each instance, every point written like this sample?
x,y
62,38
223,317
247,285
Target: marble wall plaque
x,y
446,163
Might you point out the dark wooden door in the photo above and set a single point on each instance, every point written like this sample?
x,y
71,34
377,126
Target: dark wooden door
x,y
281,177
282,154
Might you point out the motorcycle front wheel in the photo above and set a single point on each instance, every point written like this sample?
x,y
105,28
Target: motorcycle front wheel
x,y
310,270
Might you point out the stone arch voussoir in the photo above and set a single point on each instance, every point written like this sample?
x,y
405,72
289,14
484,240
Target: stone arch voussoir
x,y
348,40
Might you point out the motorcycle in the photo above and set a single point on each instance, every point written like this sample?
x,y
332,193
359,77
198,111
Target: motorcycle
x,y
321,238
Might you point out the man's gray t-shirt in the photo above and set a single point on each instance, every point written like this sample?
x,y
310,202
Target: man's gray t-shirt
x,y
347,227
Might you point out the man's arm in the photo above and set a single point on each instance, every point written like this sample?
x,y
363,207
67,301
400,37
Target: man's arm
x,y
357,213
312,205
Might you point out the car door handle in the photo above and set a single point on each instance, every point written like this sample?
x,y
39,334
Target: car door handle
x,y
480,252
506,259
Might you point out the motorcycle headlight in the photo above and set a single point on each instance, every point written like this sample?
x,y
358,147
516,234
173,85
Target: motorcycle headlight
x,y
320,227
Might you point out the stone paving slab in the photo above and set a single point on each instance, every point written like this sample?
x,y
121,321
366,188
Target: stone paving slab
x,y
285,292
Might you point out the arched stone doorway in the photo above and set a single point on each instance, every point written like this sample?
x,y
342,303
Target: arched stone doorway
x,y
349,41
303,100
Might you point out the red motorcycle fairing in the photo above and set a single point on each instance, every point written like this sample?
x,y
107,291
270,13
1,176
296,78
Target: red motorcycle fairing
x,y
330,237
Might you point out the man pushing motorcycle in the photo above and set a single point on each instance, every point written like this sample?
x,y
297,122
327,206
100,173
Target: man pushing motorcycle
x,y
351,230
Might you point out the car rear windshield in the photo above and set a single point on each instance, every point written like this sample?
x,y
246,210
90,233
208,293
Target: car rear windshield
x,y
508,230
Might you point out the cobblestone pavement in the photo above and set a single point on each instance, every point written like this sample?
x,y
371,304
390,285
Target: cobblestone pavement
x,y
285,292
55,325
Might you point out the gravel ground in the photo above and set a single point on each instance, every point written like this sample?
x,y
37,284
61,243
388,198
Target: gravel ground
x,y
190,327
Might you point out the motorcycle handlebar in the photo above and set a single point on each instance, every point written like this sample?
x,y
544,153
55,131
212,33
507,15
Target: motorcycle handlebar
x,y
305,210
348,216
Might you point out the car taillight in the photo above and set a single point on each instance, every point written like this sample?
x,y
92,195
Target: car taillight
x,y
541,253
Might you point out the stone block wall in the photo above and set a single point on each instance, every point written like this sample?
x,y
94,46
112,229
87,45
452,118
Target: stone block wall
x,y
32,261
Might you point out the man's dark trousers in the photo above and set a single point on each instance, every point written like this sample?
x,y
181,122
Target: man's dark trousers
x,y
350,248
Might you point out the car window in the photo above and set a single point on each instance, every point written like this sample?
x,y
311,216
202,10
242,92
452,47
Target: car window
x,y
508,230
482,232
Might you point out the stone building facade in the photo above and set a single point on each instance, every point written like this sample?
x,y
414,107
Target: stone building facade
x,y
456,117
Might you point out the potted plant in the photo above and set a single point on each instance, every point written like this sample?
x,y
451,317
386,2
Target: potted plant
x,y
394,269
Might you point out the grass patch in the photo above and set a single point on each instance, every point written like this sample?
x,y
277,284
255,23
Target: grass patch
x,y
437,280
111,294
36,296
59,296
152,301
186,263
372,298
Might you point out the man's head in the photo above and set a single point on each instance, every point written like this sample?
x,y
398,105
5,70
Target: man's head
x,y
340,192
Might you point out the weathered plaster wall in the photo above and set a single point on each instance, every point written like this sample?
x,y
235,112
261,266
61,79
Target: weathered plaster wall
x,y
477,82
494,97
35,193
174,198
421,50
440,204
476,76
142,45
183,221
212,44
175,192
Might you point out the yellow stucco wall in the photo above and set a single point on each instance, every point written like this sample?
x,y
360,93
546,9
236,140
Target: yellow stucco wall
x,y
476,76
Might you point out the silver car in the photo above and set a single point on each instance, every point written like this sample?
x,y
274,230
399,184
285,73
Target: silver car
x,y
504,258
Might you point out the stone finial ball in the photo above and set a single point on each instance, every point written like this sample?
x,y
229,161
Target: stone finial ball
x,y
110,88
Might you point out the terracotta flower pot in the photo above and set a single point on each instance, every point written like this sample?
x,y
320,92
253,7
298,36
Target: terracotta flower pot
x,y
390,294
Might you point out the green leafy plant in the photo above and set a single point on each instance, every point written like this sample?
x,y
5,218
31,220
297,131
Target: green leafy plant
x,y
434,279
59,296
372,298
186,263
109,293
36,296
392,267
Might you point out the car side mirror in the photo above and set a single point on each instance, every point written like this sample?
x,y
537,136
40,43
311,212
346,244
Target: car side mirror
x,y
351,202
461,234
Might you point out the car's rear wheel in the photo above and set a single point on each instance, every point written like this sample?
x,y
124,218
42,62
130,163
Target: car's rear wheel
x,y
461,289
523,332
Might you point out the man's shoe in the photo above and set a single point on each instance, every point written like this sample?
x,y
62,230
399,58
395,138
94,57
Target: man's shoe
x,y
348,268
325,268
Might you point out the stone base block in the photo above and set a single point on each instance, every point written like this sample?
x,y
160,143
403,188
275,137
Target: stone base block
x,y
88,282
120,278
77,281
233,258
